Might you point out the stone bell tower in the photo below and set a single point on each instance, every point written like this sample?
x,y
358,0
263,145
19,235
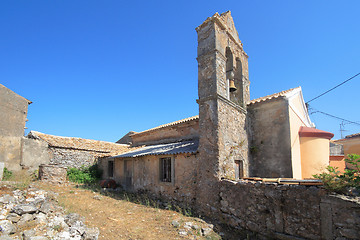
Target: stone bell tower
x,y
223,88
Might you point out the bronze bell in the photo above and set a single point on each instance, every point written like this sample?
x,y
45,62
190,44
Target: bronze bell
x,y
232,87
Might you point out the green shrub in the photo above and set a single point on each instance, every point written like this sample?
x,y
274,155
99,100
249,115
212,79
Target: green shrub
x,y
340,182
7,174
85,175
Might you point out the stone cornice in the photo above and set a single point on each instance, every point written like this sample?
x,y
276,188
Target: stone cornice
x,y
227,101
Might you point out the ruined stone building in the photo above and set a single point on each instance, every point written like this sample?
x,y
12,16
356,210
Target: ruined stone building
x,y
203,161
13,113
18,152
232,137
69,152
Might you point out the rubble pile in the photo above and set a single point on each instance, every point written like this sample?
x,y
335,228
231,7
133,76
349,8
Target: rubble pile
x,y
34,214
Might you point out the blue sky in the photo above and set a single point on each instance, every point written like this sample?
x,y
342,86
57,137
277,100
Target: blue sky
x,y
98,69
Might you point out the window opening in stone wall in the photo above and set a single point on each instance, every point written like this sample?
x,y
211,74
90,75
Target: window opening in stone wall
x,y
239,169
111,168
239,97
230,70
165,169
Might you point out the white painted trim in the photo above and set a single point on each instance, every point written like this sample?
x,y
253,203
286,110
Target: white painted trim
x,y
298,92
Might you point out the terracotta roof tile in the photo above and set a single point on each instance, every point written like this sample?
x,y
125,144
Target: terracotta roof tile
x,y
169,124
272,96
102,148
353,135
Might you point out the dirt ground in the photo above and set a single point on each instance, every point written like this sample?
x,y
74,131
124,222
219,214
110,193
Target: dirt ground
x,y
123,219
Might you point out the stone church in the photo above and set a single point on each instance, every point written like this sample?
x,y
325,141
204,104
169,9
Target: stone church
x,y
232,137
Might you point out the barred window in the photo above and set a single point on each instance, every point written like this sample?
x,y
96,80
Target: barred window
x,y
165,169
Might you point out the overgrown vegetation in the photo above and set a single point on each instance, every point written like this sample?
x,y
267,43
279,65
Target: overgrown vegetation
x,y
7,174
336,181
84,175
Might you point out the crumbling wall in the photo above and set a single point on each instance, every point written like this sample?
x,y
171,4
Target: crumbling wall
x,y
13,111
71,158
34,153
288,211
10,152
52,173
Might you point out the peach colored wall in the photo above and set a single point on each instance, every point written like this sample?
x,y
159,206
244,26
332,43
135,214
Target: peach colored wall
x,y
351,146
314,155
338,162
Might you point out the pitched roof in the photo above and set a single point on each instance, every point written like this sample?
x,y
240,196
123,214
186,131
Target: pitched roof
x,y
126,139
353,135
169,124
9,90
273,96
261,99
101,147
163,149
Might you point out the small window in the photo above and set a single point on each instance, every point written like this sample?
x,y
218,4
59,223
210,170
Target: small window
x,y
239,169
165,169
110,168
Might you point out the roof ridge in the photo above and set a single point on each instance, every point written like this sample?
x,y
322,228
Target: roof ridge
x,y
70,138
272,96
168,124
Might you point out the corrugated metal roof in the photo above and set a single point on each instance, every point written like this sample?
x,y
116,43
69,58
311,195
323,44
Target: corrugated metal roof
x,y
163,149
272,96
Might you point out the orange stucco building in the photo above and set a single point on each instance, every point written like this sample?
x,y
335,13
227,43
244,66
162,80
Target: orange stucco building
x,y
351,145
314,148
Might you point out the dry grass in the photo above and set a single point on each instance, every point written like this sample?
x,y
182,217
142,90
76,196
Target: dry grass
x,y
121,219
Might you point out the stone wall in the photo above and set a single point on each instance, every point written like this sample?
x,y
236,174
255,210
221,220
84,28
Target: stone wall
x,y
222,117
233,140
144,175
23,153
181,131
13,111
52,173
72,158
288,211
270,144
34,153
10,152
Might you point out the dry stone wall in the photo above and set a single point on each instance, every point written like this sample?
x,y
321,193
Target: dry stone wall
x,y
52,173
289,211
71,158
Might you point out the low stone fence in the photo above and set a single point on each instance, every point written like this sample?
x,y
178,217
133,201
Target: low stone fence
x,y
52,173
289,211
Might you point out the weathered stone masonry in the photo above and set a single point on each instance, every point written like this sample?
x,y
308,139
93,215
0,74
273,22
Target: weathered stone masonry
x,y
289,210
278,211
222,113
